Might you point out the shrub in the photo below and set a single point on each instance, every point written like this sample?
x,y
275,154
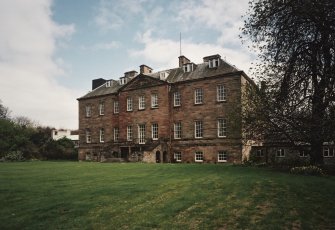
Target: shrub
x,y
14,156
307,170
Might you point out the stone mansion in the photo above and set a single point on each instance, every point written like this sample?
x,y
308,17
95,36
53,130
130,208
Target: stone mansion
x,y
191,113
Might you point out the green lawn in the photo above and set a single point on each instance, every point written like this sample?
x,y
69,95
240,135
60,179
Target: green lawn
x,y
72,195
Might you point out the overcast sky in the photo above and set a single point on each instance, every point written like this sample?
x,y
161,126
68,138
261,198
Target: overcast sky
x,y
51,50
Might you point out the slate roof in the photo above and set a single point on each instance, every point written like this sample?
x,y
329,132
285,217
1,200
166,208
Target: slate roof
x,y
174,75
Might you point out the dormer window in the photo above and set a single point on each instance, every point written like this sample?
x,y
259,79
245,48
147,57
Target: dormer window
x,y
108,84
189,67
163,75
123,80
213,63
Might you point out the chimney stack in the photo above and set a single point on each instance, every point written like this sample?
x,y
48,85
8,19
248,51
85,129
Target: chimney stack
x,y
144,69
183,60
130,74
97,82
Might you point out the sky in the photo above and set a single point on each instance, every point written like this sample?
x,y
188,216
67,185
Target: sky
x,y
50,51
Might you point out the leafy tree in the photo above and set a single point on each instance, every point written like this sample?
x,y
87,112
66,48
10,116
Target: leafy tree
x,y
4,111
296,44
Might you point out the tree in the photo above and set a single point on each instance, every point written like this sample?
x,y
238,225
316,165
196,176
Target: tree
x,y
296,44
4,111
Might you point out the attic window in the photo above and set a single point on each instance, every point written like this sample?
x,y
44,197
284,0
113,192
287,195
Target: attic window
x,y
108,84
189,67
123,80
163,75
214,63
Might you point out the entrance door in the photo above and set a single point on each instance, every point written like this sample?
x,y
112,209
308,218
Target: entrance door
x,y
124,152
165,157
158,157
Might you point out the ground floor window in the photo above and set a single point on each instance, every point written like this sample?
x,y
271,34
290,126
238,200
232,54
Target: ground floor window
x,y
303,153
280,153
199,157
327,152
222,156
177,156
260,153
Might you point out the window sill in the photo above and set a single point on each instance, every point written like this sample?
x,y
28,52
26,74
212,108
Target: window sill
x,y
198,103
176,106
199,161
198,137
280,156
129,111
154,107
221,101
328,156
222,136
222,161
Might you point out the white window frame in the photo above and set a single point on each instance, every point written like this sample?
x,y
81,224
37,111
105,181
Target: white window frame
x,y
116,107
220,93
329,154
199,156
129,133
154,131
303,153
189,67
116,134
154,100
129,104
213,63
141,102
260,153
176,99
177,130
102,135
222,156
101,108
141,133
198,129
88,110
198,96
88,136
177,156
222,127
280,152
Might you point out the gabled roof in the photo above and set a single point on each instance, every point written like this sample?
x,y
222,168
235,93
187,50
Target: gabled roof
x,y
142,81
103,90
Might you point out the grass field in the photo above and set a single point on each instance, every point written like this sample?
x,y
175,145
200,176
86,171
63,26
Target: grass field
x,y
72,195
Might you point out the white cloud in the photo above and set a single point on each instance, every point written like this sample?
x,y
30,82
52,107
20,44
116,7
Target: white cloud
x,y
102,46
163,53
27,68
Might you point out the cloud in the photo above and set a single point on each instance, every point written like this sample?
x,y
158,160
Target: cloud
x,y
102,46
163,53
28,71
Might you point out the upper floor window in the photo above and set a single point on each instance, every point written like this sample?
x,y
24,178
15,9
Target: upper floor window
x,y
154,131
116,106
260,153
129,133
327,152
199,157
177,130
141,134
177,156
141,103
214,63
88,136
176,99
222,127
102,135
101,108
222,156
116,134
154,100
220,93
280,153
198,96
198,129
88,111
129,104
189,67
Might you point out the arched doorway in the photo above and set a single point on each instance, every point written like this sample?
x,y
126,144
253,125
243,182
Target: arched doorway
x,y
158,157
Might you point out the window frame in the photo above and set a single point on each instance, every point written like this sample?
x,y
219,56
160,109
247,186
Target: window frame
x,y
88,111
198,129
198,156
177,156
222,156
102,135
116,134
176,99
260,153
220,93
198,96
154,131
88,136
177,130
141,102
280,152
101,108
116,107
330,153
129,104
141,134
304,153
154,100
222,128
129,133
